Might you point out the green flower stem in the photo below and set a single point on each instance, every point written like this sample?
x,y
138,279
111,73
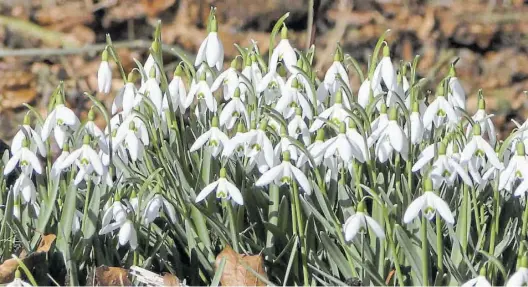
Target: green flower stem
x,y
358,169
300,231
495,220
425,253
232,224
476,210
464,223
273,211
439,248
525,222
87,202
392,246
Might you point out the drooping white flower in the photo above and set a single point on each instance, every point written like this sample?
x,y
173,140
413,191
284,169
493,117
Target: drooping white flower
x,y
416,129
203,93
343,148
258,147
285,173
477,147
152,90
316,150
364,94
18,282
331,82
285,145
485,122
177,93
291,99
127,232
233,110
428,203
252,72
445,169
57,167
86,159
149,64
389,138
384,71
285,52
127,98
520,277
104,74
456,95
211,50
35,141
297,127
359,222
270,86
229,80
223,189
517,169
25,159
24,185
439,112
95,132
479,281
58,121
214,137
132,135
154,207
336,114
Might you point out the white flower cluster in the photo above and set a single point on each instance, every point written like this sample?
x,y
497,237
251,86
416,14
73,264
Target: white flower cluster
x,y
282,126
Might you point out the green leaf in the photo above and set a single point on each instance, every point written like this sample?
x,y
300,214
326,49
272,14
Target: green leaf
x,y
274,32
336,255
411,253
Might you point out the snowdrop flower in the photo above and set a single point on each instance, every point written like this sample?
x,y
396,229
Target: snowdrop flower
x,y
358,223
211,50
203,93
456,95
16,207
429,203
57,167
154,206
285,173
291,99
484,120
127,98
271,85
151,63
315,149
35,141
297,127
127,232
356,138
384,71
18,282
336,114
331,84
228,79
379,123
364,94
233,110
439,112
104,74
285,145
132,135
520,277
86,159
343,148
477,147
517,169
284,51
58,120
93,130
177,92
223,188
25,186
479,281
389,139
444,169
252,72
214,137
153,91
25,159
416,125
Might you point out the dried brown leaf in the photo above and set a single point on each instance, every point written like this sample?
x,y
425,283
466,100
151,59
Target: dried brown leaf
x,y
170,280
46,242
236,271
7,271
111,276
153,7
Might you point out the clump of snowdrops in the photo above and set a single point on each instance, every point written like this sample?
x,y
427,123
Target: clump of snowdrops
x,y
382,184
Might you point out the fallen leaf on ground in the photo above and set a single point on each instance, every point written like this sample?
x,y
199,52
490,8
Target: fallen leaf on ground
x,y
111,276
236,270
